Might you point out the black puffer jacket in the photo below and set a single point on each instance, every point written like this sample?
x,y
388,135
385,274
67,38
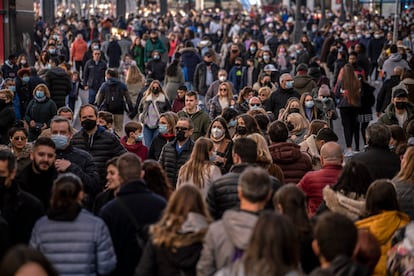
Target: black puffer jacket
x,y
59,84
171,161
8,116
103,146
157,144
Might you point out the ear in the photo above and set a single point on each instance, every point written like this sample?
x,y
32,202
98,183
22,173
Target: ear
x,y
239,192
80,196
31,155
315,248
279,208
142,174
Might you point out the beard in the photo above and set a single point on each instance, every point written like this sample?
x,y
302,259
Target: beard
x,y
41,167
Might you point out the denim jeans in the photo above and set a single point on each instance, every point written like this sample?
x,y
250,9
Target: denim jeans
x,y
149,135
92,96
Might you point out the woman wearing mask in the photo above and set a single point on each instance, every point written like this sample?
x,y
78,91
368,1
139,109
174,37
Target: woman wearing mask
x,y
246,125
309,108
166,126
40,111
177,239
242,104
230,116
42,61
199,170
348,91
113,183
153,103
174,77
22,89
90,250
7,114
223,99
292,106
222,144
298,126
22,61
11,85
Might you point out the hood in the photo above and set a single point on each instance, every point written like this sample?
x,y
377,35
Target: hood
x,y
132,148
58,72
395,57
285,153
406,80
194,223
112,81
239,227
339,203
184,258
190,51
384,225
301,81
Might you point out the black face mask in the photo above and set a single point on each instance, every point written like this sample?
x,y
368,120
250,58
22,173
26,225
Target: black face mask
x,y
290,126
400,105
88,124
208,63
155,90
241,130
294,110
180,135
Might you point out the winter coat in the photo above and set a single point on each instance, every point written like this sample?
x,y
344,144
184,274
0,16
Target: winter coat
x,y
113,96
215,107
171,83
223,195
81,246
189,59
294,163
8,117
383,226
151,46
349,205
381,162
303,83
223,238
375,47
78,49
200,75
41,113
201,122
342,266
309,146
157,144
139,149
238,77
137,53
21,210
155,69
159,260
393,61
178,104
102,147
171,161
9,71
94,74
114,53
59,84
279,98
161,103
405,195
384,95
214,89
137,198
389,117
367,99
313,182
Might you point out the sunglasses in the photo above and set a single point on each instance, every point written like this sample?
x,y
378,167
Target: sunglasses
x,y
21,138
223,89
181,128
256,104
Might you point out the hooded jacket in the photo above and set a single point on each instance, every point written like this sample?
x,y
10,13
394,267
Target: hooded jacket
x,y
59,85
383,226
200,119
113,96
139,149
384,95
389,117
393,61
223,238
303,83
339,203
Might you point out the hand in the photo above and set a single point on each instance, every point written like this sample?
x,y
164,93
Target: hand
x,y
62,165
86,87
44,126
32,123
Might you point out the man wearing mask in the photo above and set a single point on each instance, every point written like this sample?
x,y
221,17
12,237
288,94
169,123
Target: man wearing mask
x,y
101,144
59,83
214,87
399,111
94,75
175,153
279,98
155,68
71,159
9,68
205,74
154,43
199,118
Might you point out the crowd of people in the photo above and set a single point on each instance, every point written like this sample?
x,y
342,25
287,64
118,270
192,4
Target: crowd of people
x,y
207,146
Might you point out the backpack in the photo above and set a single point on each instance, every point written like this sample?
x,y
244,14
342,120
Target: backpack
x,y
114,99
400,259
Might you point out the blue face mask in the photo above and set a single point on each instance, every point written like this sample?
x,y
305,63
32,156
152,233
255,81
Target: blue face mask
x,y
12,88
139,137
289,84
325,99
40,94
162,128
52,51
232,123
309,104
60,140
26,79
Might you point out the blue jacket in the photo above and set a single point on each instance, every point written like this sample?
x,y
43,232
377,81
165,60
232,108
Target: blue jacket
x,y
79,247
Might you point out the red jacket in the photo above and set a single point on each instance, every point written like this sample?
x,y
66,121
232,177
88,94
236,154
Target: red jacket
x,y
78,49
139,148
313,183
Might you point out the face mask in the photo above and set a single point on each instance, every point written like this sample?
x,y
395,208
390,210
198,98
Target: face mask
x,y
241,130
290,126
237,64
23,61
156,57
294,110
254,107
88,124
298,51
26,79
213,157
400,105
216,132
208,63
40,94
96,47
155,90
139,137
52,51
232,123
325,99
377,36
309,104
60,140
12,88
359,36
55,37
222,78
162,128
49,66
289,84
266,58
314,29
252,49
180,135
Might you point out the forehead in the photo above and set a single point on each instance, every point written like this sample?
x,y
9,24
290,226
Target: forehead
x,y
87,111
43,149
59,126
183,123
19,133
190,98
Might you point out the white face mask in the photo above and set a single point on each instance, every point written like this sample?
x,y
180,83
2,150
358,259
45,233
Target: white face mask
x,y
222,78
216,132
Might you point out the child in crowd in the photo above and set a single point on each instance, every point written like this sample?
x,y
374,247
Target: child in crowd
x,y
132,141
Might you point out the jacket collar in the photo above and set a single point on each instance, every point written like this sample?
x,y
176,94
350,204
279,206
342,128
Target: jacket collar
x,y
135,186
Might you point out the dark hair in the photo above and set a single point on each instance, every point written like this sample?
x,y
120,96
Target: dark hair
x,y
113,161
315,126
354,178
20,255
229,113
250,123
367,250
95,109
331,228
129,166
65,192
223,123
398,134
409,129
393,49
278,132
172,68
246,149
107,116
378,135
13,130
327,135
64,109
60,119
191,93
156,179
112,73
7,155
262,121
44,141
381,196
132,126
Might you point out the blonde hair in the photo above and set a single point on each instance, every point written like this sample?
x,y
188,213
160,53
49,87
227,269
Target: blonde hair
x,y
263,153
229,90
134,75
298,121
407,170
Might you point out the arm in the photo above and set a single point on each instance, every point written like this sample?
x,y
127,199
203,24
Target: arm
x,y
105,254
380,99
147,265
206,266
88,174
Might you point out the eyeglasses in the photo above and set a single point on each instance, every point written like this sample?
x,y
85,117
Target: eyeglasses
x,y
96,54
223,89
255,104
21,138
262,95
181,128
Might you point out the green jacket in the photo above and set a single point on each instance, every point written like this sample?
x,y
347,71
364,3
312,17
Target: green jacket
x,y
389,117
201,122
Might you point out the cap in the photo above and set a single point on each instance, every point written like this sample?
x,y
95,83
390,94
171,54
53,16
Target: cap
x,y
269,67
400,93
302,67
